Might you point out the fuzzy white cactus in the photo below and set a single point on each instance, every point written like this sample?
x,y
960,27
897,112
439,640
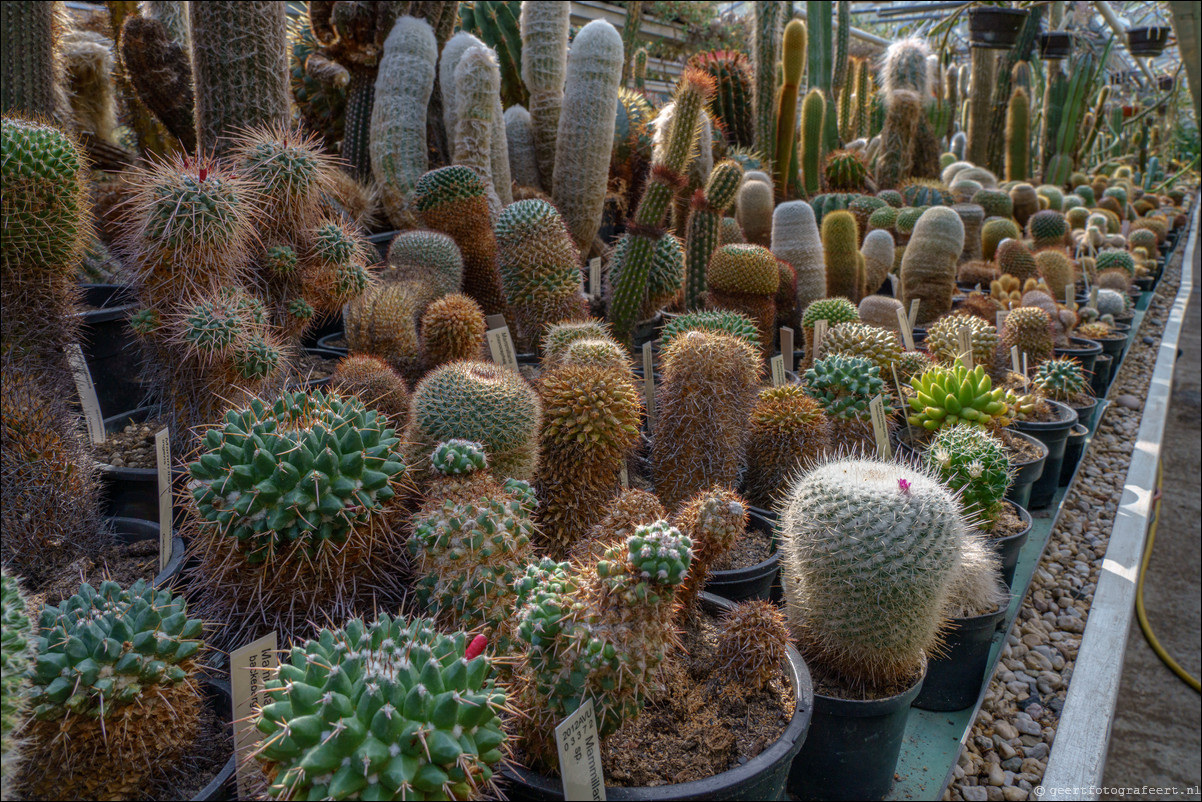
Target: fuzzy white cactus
x,y
795,239
477,86
523,163
544,26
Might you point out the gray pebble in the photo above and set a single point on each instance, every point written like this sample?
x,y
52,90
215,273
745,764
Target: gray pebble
x,y
1039,751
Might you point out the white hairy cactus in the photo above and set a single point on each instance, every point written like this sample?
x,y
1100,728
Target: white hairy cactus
x,y
523,164
795,239
477,84
753,210
877,251
452,51
544,25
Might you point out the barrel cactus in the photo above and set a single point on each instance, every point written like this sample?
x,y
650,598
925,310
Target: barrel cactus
x,y
944,344
789,431
745,278
1063,379
974,464
752,642
879,346
725,321
15,659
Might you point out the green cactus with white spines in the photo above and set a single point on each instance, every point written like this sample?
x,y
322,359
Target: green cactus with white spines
x,y
945,396
16,657
813,115
1115,259
793,57
601,634
943,343
1062,379
414,712
1029,328
870,548
1047,228
704,219
974,464
834,311
732,101
114,690
844,386
725,321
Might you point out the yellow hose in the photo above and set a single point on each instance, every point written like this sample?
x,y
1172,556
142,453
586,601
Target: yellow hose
x,y
1140,612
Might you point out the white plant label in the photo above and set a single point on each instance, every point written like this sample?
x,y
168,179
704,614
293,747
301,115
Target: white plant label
x,y
786,346
999,319
904,414
778,370
87,393
649,385
494,321
625,475
500,345
880,428
913,316
250,668
1025,368
964,343
594,277
1093,297
903,325
580,755
819,335
162,452
1070,298
1015,365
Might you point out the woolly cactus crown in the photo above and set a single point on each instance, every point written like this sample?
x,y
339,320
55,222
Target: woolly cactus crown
x,y
973,463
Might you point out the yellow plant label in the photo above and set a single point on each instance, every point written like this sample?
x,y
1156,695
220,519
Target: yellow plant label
x,y
580,755
162,452
250,668
87,393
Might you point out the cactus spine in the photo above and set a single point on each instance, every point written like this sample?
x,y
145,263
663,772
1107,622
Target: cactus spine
x,y
398,117
813,112
586,130
708,208
980,113
793,56
477,82
844,272
519,135
16,658
240,68
544,70
160,70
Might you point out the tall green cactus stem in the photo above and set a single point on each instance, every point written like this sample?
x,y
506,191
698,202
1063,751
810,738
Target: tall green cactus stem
x,y
398,117
29,65
793,55
586,130
995,160
840,67
240,69
702,240
984,63
870,549
795,239
496,22
863,121
477,82
540,269
820,68
667,173
813,112
519,135
321,101
895,162
630,38
16,658
928,267
767,19
710,381
840,238
732,101
1018,135
544,28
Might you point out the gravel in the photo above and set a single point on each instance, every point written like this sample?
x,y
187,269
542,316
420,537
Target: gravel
x,y
1018,718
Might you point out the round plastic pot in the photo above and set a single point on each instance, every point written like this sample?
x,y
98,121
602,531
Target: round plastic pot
x,y
1054,435
954,679
134,492
1145,283
1085,415
135,530
324,343
1009,547
754,581
853,747
1055,44
1073,450
1083,350
109,347
1100,381
995,28
1148,41
320,327
1026,474
762,777
1112,347
221,787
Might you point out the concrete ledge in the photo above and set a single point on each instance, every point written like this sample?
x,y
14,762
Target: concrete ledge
x,y
1078,756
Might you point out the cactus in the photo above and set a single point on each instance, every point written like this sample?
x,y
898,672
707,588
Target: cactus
x,y
945,396
240,69
544,30
319,488
795,239
736,324
30,64
993,231
477,82
880,311
971,217
452,328
845,171
977,587
591,419
321,103
928,268
708,389
789,431
559,337
793,57
16,659
586,130
754,211
752,642
1056,270
519,134
995,202
834,311
114,693
1062,379
480,402
160,71
1018,135
767,20
745,278
1015,260
840,238
496,23
902,117
974,464
600,633
452,200
870,549
943,343
396,677
713,520
702,240
844,386
732,105
374,383
383,321
1047,229
813,112
403,86
879,346
877,251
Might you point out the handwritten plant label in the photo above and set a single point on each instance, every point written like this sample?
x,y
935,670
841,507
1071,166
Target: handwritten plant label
x,y
250,668
580,755
778,370
87,393
913,317
786,346
964,343
880,427
999,320
649,385
594,277
820,327
162,451
907,332
500,345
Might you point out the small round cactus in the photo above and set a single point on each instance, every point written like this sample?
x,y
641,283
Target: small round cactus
x,y
845,385
1030,329
1047,228
973,463
943,339
453,328
753,640
1062,379
375,384
879,346
788,431
725,321
945,396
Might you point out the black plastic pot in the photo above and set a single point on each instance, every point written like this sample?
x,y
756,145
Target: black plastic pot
x,y
754,581
1073,451
1085,415
134,492
1055,44
1083,350
1009,547
382,241
1112,347
954,679
321,328
109,347
1145,283
762,777
995,28
1054,435
324,343
853,747
1148,41
221,787
1026,474
134,530
1100,382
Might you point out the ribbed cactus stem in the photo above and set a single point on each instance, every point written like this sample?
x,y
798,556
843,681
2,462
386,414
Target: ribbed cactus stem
x,y
174,16
544,70
630,37
863,68
1018,135
27,65
795,239
766,33
477,84
793,56
447,62
813,110
240,69
398,117
640,70
519,135
981,107
840,240
586,130
708,208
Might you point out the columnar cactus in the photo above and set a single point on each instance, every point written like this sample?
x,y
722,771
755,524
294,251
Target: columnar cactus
x,y
477,84
767,19
540,269
544,71
701,241
160,70
795,239
813,114
709,387
713,520
732,102
296,516
519,135
928,268
114,691
452,328
389,679
1018,135
793,59
877,250
840,245
29,68
789,431
754,210
745,278
974,464
16,658
398,117
586,129
870,549
946,396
